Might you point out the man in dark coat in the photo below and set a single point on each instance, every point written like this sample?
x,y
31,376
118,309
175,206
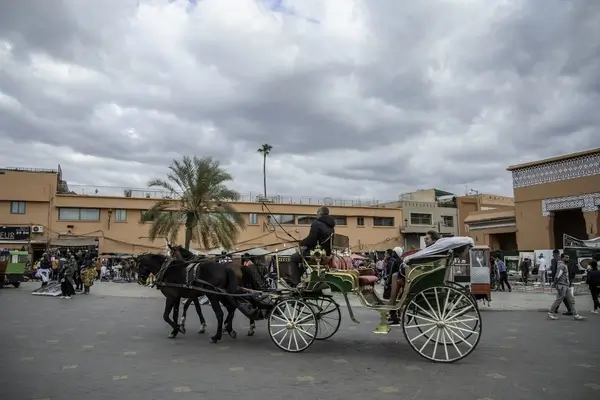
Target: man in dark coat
x,y
321,234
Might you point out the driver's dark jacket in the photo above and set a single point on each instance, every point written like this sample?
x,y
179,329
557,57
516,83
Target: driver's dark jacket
x,y
321,232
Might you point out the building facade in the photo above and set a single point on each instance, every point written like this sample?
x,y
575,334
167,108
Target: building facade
x,y
425,210
557,196
38,210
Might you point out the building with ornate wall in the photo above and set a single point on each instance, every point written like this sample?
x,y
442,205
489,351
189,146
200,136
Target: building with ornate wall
x,y
552,197
557,196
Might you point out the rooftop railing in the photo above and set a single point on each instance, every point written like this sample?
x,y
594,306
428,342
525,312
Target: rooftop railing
x,y
34,170
153,193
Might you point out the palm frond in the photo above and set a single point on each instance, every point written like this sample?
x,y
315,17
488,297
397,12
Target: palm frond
x,y
202,209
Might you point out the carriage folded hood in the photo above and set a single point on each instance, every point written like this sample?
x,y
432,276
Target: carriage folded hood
x,y
441,246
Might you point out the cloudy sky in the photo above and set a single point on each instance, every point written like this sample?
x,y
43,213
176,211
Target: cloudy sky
x,y
359,98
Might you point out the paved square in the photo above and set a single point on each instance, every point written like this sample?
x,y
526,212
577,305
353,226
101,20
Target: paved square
x,y
103,347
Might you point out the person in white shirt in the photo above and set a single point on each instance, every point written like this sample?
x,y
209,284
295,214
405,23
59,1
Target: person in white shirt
x,y
542,270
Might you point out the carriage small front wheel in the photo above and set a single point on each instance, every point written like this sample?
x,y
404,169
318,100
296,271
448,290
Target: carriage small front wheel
x,y
442,324
293,325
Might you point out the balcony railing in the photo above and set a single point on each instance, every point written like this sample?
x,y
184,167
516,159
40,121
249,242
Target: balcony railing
x,y
151,193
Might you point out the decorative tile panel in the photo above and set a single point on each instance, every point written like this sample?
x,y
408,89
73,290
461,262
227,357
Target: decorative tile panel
x,y
557,171
587,202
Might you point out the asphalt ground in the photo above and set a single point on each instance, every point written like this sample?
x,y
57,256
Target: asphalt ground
x,y
102,347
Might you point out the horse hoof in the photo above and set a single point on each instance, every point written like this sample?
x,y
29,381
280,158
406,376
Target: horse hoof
x,y
250,333
214,339
172,335
182,329
202,330
232,334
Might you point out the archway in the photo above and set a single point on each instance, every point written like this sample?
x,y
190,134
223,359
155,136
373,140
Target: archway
x,y
570,222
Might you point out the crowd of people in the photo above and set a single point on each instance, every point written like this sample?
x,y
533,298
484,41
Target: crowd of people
x,y
76,272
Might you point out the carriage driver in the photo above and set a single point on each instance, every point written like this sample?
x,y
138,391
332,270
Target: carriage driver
x,y
321,233
398,279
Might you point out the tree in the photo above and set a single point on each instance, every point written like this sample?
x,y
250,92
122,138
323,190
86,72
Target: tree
x,y
265,150
202,207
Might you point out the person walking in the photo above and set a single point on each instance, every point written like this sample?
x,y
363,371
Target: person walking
x,y
65,274
88,274
563,291
553,267
502,273
542,268
524,267
593,281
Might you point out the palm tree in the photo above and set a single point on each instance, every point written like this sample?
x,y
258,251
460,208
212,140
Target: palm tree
x,y
202,208
265,150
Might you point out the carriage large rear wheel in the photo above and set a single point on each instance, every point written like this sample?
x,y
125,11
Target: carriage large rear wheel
x,y
442,324
329,316
293,325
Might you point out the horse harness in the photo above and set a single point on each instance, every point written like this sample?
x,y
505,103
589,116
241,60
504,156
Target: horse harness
x,y
192,281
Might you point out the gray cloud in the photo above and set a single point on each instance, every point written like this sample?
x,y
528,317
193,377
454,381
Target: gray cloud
x,y
377,99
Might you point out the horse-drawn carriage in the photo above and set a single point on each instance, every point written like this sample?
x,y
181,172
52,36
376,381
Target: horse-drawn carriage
x,y
440,319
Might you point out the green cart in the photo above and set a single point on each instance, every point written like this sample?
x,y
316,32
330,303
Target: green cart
x,y
12,267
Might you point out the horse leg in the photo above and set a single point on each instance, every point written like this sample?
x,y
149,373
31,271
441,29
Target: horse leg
x,y
169,304
216,306
200,315
188,301
230,306
176,314
251,328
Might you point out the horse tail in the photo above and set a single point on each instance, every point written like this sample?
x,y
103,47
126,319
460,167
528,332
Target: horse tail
x,y
232,281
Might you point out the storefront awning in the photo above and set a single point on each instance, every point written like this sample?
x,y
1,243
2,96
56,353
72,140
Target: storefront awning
x,y
73,242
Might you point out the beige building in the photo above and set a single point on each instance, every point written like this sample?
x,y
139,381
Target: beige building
x,y
38,209
552,197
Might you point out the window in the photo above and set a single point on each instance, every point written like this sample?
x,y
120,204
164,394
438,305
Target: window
x,y
145,218
420,219
120,215
341,221
360,221
383,221
20,258
448,221
253,219
306,219
283,219
17,207
79,214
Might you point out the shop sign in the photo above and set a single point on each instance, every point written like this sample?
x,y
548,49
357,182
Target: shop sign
x,y
15,233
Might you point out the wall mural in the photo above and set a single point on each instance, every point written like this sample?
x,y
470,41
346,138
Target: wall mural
x,y
587,202
578,167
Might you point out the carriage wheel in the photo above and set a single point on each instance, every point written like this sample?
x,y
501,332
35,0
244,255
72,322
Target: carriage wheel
x,y
329,316
442,324
293,325
462,304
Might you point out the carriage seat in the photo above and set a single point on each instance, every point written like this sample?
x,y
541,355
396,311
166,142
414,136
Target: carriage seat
x,y
364,277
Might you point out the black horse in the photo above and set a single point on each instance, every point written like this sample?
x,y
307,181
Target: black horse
x,y
252,277
176,273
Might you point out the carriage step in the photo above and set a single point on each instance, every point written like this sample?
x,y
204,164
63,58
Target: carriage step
x,y
383,327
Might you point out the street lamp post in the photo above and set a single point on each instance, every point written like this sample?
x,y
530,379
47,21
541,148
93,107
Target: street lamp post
x,y
404,234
